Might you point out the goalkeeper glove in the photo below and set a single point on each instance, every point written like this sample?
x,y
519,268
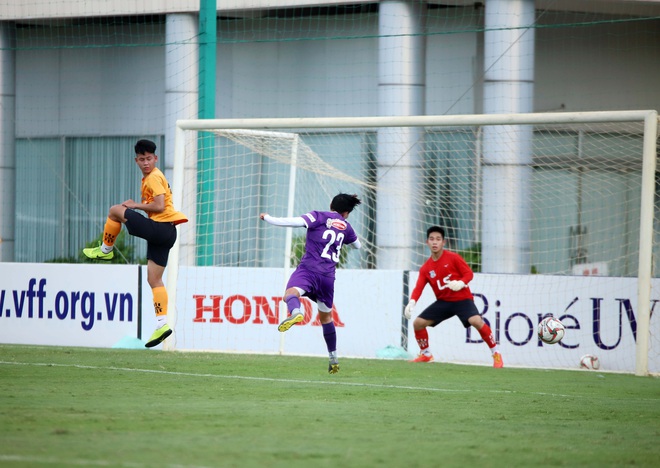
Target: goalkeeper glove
x,y
456,285
407,312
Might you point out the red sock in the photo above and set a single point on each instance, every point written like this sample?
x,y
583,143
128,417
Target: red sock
x,y
422,337
487,335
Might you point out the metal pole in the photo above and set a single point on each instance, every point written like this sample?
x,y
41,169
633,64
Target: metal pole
x,y
205,156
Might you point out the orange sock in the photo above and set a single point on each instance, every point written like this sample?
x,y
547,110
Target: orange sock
x,y
160,302
110,232
422,337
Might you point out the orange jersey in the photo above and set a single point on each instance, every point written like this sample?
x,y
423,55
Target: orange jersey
x,y
156,184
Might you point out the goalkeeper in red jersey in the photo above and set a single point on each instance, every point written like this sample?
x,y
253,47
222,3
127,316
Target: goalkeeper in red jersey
x,y
158,228
448,275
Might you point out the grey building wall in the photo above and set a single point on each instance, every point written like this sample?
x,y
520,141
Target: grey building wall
x,y
120,90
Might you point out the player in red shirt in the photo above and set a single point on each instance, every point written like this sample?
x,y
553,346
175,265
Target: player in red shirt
x,y
448,275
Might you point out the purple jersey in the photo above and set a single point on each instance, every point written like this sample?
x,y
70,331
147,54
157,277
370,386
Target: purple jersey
x,y
327,232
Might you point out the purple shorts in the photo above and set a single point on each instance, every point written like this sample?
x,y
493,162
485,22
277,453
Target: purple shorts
x,y
319,288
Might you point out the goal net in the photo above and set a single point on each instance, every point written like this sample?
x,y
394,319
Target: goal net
x,y
555,213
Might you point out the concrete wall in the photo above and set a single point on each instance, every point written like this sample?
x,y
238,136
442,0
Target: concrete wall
x,y
110,89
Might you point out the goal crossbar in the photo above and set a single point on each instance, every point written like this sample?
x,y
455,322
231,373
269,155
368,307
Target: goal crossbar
x,y
422,120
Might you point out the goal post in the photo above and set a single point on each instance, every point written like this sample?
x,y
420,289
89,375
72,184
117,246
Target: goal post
x,y
537,195
646,221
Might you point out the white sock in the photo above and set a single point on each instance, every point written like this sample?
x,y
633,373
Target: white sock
x,y
106,248
161,320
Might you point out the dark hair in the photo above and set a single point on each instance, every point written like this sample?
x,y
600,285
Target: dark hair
x,y
435,229
145,146
344,203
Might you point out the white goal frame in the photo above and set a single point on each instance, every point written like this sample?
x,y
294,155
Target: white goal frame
x,y
648,117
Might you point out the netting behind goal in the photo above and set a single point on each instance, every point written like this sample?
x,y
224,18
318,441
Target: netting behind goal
x,y
548,211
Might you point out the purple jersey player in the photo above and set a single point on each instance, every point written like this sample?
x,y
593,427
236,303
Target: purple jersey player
x,y
327,232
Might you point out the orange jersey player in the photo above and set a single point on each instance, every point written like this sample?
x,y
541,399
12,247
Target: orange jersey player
x,y
158,228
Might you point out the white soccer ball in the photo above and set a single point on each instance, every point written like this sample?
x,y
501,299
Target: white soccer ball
x,y
589,361
551,330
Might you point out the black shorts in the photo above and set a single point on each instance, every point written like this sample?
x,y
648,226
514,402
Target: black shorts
x,y
160,237
440,311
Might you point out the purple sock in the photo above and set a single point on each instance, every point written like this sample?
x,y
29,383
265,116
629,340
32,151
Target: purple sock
x,y
292,303
330,336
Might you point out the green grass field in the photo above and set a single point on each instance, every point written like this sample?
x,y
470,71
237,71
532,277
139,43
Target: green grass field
x,y
107,407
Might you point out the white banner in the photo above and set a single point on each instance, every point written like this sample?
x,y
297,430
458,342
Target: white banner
x,y
234,309
67,305
599,314
238,309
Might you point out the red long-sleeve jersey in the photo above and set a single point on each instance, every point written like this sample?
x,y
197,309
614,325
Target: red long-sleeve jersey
x,y
449,267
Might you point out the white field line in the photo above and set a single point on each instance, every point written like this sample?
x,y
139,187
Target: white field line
x,y
311,382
